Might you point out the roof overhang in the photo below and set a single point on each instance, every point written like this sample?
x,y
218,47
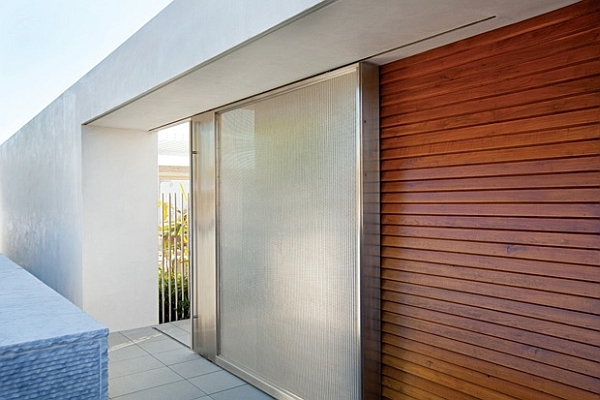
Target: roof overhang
x,y
340,33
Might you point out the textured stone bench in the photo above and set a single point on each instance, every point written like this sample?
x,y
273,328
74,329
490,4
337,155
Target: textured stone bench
x,y
49,348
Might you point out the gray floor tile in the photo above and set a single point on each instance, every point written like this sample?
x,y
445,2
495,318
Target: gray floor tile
x,y
174,332
141,381
160,346
194,368
183,338
125,352
116,339
173,391
137,370
245,392
177,356
185,324
216,382
144,334
133,365
170,328
150,339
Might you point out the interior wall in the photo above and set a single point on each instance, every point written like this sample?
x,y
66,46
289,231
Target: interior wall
x,y
491,214
120,242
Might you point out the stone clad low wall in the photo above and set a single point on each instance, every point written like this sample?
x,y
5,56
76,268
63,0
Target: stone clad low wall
x,y
49,348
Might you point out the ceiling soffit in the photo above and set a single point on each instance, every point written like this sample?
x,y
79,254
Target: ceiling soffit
x,y
344,32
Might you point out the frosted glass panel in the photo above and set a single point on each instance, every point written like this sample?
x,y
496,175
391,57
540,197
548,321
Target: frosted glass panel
x,y
288,237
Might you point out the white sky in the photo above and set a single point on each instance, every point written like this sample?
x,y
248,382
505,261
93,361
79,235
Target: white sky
x,y
47,45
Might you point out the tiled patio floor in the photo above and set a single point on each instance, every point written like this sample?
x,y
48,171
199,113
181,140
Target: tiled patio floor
x,y
146,364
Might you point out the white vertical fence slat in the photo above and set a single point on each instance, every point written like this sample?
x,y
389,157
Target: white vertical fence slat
x,y
173,249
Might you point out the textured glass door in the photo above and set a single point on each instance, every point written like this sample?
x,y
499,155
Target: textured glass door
x,y
287,239
290,240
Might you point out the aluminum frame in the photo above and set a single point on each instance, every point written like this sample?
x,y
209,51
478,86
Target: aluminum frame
x,y
203,235
205,317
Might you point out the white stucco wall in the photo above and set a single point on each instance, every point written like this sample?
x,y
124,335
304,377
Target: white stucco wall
x,y
119,226
56,222
40,187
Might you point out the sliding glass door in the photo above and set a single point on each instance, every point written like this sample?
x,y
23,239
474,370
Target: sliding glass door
x,y
290,269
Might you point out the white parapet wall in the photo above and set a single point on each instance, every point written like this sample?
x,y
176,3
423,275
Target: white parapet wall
x,y
40,197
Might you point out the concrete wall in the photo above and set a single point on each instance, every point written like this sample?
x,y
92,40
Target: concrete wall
x,y
56,219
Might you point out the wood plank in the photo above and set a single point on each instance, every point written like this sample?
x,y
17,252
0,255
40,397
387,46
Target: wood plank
x,y
532,359
496,210
394,334
531,267
580,164
500,136
554,239
507,250
466,389
551,108
562,91
583,340
446,94
554,129
469,369
470,119
562,229
516,64
391,394
393,269
496,196
429,385
501,250
557,128
509,306
402,391
525,153
470,88
549,299
561,353
543,28
532,60
564,180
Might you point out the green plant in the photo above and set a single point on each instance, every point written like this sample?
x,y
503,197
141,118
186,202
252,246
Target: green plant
x,y
176,302
173,266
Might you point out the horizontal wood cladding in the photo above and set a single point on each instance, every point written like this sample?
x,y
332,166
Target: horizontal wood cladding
x,y
490,169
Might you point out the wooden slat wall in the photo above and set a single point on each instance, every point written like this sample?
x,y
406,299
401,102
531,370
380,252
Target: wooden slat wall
x,y
490,153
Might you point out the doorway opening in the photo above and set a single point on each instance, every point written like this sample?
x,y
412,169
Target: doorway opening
x,y
173,233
